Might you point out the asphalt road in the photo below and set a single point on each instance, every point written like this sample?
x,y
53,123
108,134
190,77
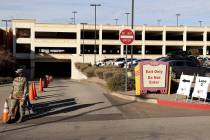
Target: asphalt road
x,y
80,110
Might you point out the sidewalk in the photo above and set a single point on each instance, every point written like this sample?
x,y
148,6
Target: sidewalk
x,y
156,98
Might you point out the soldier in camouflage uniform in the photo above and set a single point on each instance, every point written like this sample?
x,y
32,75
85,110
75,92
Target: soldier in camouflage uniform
x,y
19,94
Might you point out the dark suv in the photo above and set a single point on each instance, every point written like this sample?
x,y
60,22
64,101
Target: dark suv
x,y
187,67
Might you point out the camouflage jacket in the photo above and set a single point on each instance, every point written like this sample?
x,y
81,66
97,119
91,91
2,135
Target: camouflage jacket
x,y
19,87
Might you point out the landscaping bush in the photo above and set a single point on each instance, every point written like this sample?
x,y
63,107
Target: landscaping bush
x,y
89,71
99,72
117,82
107,75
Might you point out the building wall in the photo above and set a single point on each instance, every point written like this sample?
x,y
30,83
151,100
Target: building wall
x,y
151,38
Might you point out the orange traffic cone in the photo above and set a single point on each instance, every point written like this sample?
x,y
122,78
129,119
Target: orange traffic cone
x,y
40,85
31,92
34,90
5,116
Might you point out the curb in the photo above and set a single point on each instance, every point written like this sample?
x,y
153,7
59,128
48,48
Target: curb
x,y
187,105
134,98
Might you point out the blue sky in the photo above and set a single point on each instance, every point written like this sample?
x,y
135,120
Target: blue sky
x,y
146,11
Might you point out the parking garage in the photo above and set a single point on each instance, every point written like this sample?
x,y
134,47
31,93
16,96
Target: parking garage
x,y
89,49
110,49
89,34
110,34
136,49
170,49
157,50
194,36
174,36
153,35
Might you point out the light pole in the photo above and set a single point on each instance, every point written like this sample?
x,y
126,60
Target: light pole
x,y
200,21
95,5
6,25
74,12
83,42
72,20
127,15
116,20
177,19
158,22
132,24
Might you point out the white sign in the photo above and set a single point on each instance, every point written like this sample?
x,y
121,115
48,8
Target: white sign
x,y
154,76
201,87
185,85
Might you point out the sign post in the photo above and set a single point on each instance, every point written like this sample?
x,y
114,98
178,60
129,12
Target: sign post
x,y
126,37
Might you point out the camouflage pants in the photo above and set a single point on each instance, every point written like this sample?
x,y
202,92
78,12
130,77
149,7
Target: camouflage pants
x,y
13,105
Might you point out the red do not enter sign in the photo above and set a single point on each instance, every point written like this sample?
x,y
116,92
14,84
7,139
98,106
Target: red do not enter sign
x,y
126,36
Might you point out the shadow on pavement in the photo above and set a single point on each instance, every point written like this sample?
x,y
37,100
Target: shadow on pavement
x,y
50,96
67,109
56,86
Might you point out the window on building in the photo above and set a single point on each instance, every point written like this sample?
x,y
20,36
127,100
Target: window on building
x,y
153,35
110,35
153,50
23,48
23,33
194,36
56,35
111,49
89,49
174,36
136,49
138,35
89,34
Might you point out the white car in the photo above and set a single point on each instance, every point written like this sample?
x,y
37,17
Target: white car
x,y
119,61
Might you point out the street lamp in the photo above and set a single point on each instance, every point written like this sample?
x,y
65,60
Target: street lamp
x,y
6,25
132,24
200,21
127,14
74,12
83,42
158,22
72,20
177,19
116,20
95,5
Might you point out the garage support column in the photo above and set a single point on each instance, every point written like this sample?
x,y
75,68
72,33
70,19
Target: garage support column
x,y
205,42
143,42
32,55
79,26
122,50
185,38
100,40
164,41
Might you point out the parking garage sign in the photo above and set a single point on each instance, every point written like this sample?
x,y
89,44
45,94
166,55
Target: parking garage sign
x,y
126,36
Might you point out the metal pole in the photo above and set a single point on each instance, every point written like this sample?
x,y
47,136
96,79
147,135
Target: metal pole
x,y
95,5
132,24
127,14
126,69
6,35
177,19
200,22
158,22
116,20
95,40
74,12
83,43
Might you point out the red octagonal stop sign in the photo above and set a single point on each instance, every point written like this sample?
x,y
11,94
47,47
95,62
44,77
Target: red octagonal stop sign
x,y
126,36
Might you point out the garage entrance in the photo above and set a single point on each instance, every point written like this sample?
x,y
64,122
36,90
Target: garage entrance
x,y
57,69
